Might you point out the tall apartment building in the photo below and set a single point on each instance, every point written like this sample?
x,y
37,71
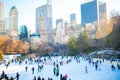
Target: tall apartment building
x,y
44,22
13,20
59,22
1,11
2,22
60,31
73,20
92,10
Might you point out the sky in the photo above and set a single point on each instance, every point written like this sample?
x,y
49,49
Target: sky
x,y
60,9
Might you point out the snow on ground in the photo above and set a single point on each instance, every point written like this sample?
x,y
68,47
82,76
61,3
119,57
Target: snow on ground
x,y
74,70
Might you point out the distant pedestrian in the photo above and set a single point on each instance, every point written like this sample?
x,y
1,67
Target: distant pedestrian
x,y
61,77
3,74
118,65
57,71
6,77
11,78
48,78
25,62
65,77
39,78
100,62
43,79
17,75
32,70
93,63
86,71
26,68
113,67
54,71
96,66
54,64
34,78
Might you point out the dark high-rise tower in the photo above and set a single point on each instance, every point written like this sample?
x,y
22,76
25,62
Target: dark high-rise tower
x,y
92,11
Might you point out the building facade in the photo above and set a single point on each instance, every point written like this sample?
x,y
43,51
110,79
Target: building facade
x,y
73,20
92,11
2,27
35,41
13,21
59,22
44,22
1,11
2,22
60,31
41,29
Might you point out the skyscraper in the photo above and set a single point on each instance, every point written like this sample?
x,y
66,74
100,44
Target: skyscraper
x,y
44,22
60,31
58,22
2,22
92,11
23,32
1,11
13,20
73,21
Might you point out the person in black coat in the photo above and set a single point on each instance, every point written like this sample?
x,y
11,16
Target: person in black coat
x,y
11,78
39,78
17,75
32,70
26,68
34,78
61,77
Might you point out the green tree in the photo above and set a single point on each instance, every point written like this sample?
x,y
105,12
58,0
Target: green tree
x,y
82,43
71,45
108,41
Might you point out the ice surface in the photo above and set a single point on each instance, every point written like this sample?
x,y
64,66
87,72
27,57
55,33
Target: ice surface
x,y
74,70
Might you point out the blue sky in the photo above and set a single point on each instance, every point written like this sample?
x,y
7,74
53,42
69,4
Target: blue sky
x,y
60,8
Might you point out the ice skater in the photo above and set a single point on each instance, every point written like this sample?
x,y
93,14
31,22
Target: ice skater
x,y
113,67
96,66
86,71
57,70
32,70
17,75
54,71
39,68
26,68
34,78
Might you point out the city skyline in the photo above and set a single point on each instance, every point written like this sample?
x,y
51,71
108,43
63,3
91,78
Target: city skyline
x,y
60,8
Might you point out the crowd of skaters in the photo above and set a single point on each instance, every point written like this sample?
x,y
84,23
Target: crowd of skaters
x,y
56,64
4,76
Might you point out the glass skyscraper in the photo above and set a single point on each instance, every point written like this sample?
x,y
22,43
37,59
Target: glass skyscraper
x,y
44,22
92,11
23,32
